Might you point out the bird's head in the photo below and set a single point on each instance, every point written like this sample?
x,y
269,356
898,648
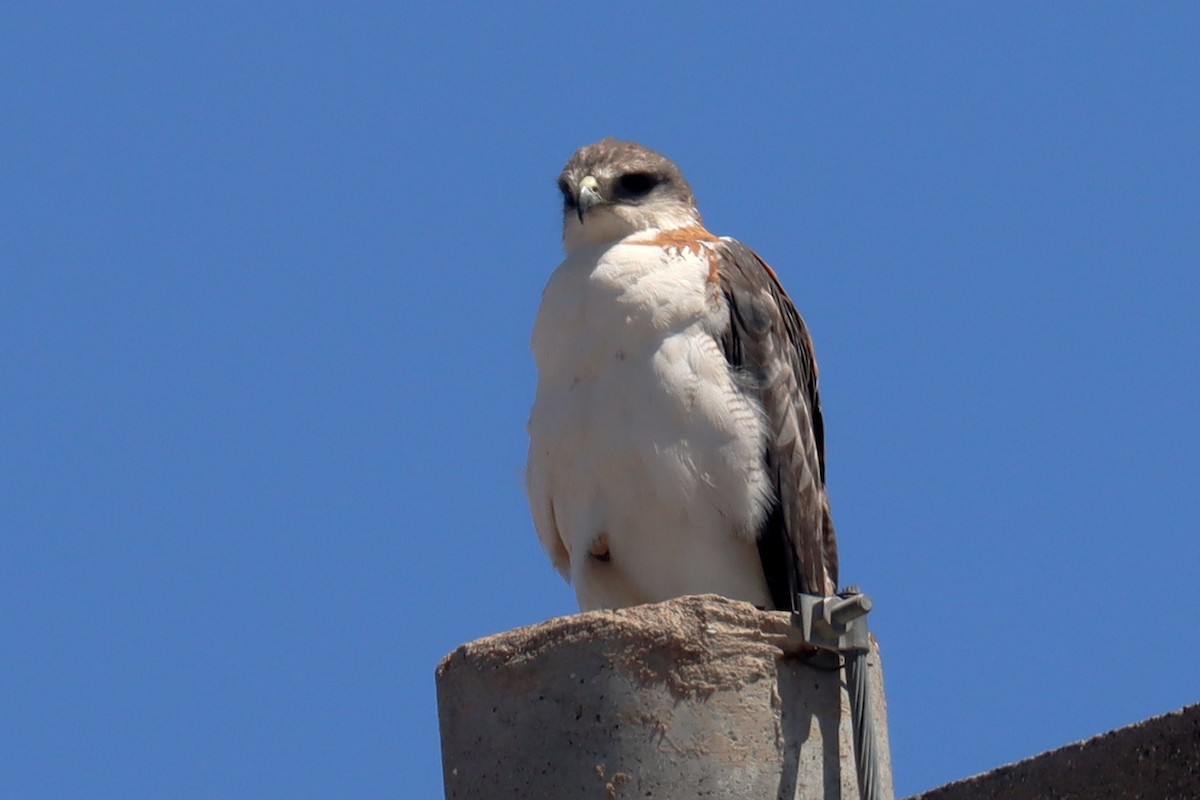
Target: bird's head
x,y
612,188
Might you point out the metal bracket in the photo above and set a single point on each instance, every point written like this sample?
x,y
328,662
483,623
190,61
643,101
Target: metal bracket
x,y
836,623
837,627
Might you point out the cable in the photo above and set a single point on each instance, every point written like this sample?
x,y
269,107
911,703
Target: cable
x,y
866,750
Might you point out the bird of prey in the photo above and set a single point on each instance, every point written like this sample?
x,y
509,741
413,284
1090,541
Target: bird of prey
x,y
676,439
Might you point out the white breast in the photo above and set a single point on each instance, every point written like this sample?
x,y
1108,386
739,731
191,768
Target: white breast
x,y
641,434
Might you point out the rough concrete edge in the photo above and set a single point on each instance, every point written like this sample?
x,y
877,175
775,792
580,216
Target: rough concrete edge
x,y
672,619
977,785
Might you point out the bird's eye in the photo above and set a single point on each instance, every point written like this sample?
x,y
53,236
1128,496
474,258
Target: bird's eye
x,y
568,196
636,184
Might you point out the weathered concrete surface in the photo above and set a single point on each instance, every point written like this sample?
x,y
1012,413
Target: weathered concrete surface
x,y
1157,759
695,697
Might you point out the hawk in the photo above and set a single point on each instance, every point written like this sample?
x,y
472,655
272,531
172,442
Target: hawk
x,y
676,444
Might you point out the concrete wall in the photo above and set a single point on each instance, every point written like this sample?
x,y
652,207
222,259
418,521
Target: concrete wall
x,y
695,697
1158,758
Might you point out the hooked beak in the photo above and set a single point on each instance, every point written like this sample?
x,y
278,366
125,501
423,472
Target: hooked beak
x,y
589,195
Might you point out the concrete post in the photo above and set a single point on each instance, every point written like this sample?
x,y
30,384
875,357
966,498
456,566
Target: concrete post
x,y
695,697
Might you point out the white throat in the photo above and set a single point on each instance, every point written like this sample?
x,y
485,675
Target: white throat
x,y
612,223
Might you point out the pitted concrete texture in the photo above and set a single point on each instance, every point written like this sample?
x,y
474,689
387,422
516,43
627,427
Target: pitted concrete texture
x,y
1157,759
694,697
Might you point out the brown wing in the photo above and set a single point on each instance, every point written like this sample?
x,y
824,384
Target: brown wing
x,y
769,343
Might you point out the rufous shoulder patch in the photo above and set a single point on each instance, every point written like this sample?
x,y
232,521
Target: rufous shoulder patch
x,y
695,239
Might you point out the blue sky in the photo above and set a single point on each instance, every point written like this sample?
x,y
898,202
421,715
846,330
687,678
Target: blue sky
x,y
268,279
